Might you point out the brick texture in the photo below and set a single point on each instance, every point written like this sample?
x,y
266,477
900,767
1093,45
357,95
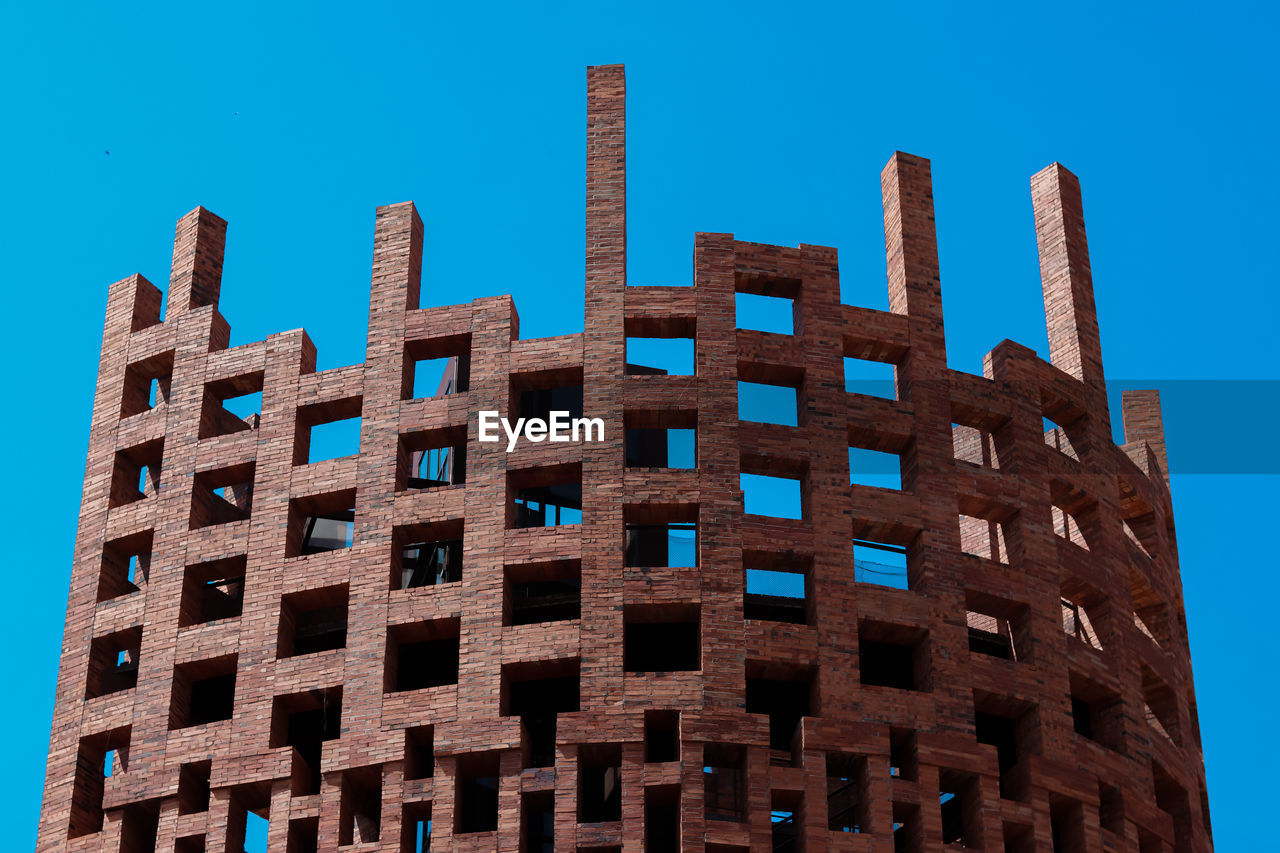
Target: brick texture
x,y
1019,681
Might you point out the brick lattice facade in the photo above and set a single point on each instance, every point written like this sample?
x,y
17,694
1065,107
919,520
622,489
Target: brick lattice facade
x,y
1027,688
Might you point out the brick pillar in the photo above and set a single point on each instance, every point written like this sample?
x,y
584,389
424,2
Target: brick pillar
x,y
196,274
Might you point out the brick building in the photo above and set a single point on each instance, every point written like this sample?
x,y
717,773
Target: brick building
x,y
590,646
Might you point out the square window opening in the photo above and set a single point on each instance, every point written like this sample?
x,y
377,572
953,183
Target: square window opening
x,y
778,593
974,445
1096,712
113,663
543,592
439,375
548,504
322,523
231,405
875,468
777,497
313,621
422,655
870,378
136,473
126,563
328,430
222,496
984,538
203,692
427,555
538,395
432,459
881,563
303,835
997,627
661,639
415,828
1084,612
893,656
146,384
785,701
661,536
211,591
661,447
761,313
768,403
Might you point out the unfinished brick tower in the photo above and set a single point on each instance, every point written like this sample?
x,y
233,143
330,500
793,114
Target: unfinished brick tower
x,y
590,646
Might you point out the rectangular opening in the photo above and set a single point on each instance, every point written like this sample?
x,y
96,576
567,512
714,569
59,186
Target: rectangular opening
x,y
322,523
538,822
537,395
537,693
440,377
875,468
985,538
662,817
303,836
97,758
870,378
659,356
334,440
428,555
768,403
231,405
660,639
1172,799
960,803
784,807
893,655
1150,615
903,761
136,473
848,794
1066,440
543,592
997,628
328,430
138,824
113,662
784,700
477,793
1097,713
422,655
212,590
222,496
880,563
778,497
599,783
306,721
549,505
193,787
432,459
659,447
248,819
360,807
126,563
419,752
723,782
778,594
761,313
1011,727
312,621
974,445
1066,825
1082,607
1161,709
415,828
1111,808
661,736
660,536
146,384
203,692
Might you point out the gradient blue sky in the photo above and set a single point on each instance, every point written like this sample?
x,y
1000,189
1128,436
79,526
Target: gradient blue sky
x,y
771,121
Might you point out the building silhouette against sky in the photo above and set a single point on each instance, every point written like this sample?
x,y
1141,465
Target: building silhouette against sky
x,y
953,617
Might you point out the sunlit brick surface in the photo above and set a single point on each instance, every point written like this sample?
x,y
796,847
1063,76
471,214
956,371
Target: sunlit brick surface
x,y
1023,684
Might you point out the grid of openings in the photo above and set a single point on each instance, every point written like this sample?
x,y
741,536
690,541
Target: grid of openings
x,y
781,602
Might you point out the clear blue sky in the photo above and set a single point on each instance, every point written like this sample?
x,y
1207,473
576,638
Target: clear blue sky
x,y
771,121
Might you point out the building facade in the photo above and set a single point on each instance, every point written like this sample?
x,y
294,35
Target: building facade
x,y
591,646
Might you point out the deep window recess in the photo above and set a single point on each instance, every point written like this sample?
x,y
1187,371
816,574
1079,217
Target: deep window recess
x,y
662,544
870,378
313,621
880,563
661,447
125,565
360,806
306,721
146,384
538,822
99,757
875,468
723,782
997,628
958,799
113,663
424,654
661,736
847,793
477,793
660,356
662,817
1161,706
222,496
415,828
231,405
548,506
1084,613
212,590
537,693
431,563
599,783
663,639
768,403
432,467
776,314
303,836
538,396
778,497
784,701
322,523
543,592
203,692
777,594
419,752
1011,727
440,377
193,787
893,656
136,473
903,763
1096,712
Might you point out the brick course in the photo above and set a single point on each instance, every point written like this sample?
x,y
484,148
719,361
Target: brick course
x,y
1053,548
